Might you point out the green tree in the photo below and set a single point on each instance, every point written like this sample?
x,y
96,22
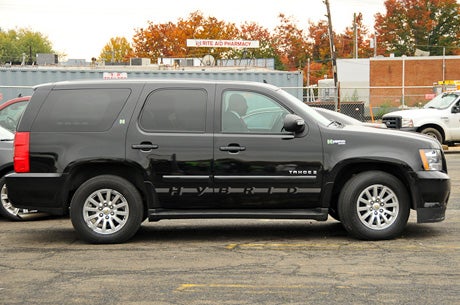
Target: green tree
x,y
19,44
407,25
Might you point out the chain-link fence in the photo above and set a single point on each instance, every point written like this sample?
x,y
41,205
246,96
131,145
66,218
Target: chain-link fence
x,y
370,103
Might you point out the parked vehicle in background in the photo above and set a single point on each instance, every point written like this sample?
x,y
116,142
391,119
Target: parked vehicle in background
x,y
7,210
439,118
346,119
114,153
10,112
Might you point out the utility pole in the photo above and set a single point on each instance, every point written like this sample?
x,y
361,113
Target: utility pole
x,y
355,37
333,53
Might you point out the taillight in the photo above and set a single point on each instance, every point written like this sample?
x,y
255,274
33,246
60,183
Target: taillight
x,y
21,152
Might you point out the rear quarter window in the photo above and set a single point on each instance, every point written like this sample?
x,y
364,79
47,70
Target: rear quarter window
x,y
80,110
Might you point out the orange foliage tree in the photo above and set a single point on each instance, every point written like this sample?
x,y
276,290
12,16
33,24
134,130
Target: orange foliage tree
x,y
430,25
291,44
169,39
345,42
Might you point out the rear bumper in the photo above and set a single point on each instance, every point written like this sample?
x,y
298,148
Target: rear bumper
x,y
431,196
43,191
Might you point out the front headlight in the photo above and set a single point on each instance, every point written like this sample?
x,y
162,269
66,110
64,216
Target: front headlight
x,y
405,122
431,159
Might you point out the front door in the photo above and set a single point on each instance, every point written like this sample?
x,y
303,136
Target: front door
x,y
454,120
171,138
257,164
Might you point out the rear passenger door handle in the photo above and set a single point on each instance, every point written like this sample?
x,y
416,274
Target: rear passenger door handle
x,y
144,146
232,149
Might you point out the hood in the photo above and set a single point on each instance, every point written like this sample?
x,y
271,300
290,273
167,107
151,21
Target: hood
x,y
389,137
413,113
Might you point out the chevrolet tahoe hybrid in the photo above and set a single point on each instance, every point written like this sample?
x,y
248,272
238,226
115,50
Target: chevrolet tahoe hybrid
x,y
113,153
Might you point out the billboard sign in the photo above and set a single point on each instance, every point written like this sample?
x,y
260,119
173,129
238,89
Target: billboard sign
x,y
219,43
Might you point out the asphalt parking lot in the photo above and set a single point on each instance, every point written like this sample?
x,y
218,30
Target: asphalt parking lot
x,y
234,262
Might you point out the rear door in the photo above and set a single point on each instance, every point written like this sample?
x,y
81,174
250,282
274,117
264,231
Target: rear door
x,y
259,165
171,138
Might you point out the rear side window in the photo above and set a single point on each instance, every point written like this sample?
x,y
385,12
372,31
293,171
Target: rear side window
x,y
80,110
9,116
175,110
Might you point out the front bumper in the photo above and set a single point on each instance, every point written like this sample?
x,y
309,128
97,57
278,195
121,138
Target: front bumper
x,y
431,194
38,191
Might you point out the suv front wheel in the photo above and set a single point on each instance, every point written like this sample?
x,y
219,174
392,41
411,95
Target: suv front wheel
x,y
374,205
106,209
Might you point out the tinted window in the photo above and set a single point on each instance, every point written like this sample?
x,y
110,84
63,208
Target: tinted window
x,y
80,110
175,110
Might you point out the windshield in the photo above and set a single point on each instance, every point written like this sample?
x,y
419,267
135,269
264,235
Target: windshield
x,y
312,112
442,101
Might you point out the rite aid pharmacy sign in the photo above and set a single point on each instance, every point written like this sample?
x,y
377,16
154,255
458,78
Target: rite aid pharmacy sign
x,y
217,43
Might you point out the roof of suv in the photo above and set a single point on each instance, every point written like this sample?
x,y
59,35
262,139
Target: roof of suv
x,y
152,81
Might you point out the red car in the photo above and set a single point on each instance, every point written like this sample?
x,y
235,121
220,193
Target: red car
x,y
11,111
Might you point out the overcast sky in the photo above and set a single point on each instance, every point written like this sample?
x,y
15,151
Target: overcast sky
x,y
81,28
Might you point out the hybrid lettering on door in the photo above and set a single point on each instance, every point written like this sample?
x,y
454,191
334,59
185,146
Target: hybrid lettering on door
x,y
200,191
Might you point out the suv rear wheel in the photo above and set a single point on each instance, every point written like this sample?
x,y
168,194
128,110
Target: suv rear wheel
x,y
374,205
106,209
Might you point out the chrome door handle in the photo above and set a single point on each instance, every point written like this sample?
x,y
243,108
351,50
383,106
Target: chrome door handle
x,y
144,146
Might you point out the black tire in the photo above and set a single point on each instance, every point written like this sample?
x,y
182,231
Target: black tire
x,y
98,220
432,132
374,205
7,209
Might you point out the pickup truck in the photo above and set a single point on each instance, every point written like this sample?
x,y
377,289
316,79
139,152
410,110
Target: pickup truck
x,y
439,118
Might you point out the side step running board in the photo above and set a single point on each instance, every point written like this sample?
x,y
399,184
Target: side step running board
x,y
316,214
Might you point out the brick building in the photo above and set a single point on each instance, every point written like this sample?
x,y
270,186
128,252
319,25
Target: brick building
x,y
394,81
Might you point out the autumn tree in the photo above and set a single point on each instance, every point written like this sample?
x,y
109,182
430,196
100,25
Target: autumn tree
x,y
19,44
253,31
345,42
291,44
407,25
117,50
320,63
169,39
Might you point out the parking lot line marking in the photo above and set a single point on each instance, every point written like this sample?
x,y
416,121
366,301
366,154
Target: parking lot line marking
x,y
192,287
345,246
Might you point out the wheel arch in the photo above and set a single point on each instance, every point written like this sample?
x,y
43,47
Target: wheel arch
x,y
439,128
80,173
6,169
345,172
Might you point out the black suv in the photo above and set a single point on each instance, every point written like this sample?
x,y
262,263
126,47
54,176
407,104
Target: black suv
x,y
114,153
